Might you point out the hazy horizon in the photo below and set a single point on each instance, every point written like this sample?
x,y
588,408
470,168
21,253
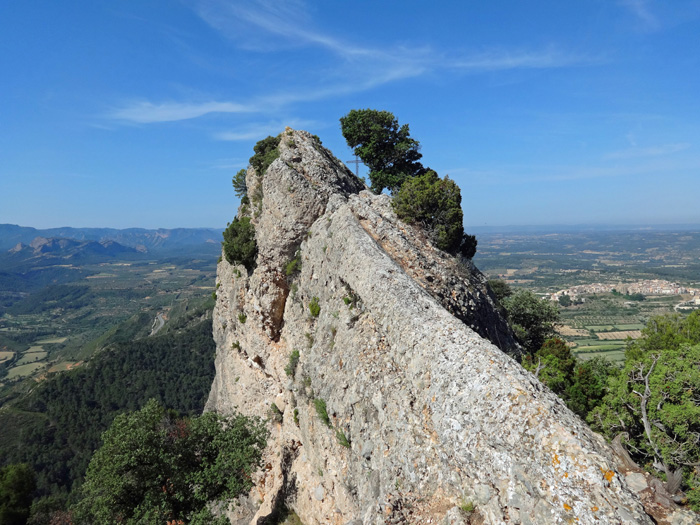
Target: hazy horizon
x,y
484,228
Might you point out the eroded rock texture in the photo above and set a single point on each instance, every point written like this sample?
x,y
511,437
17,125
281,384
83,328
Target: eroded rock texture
x,y
424,412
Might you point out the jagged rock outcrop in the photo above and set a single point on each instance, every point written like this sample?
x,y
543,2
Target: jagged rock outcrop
x,y
400,410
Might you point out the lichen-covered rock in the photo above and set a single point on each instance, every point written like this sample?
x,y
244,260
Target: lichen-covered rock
x,y
399,411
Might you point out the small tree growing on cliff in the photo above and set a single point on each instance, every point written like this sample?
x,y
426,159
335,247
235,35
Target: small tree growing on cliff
x,y
435,204
239,184
384,147
266,151
239,243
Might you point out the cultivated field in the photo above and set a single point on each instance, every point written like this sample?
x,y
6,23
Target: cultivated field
x,y
632,334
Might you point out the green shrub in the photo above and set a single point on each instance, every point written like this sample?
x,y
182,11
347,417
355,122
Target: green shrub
x,y
242,318
468,246
314,307
322,412
433,203
293,266
291,367
266,152
296,416
342,439
466,506
239,243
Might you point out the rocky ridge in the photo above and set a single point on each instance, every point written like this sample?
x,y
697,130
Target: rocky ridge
x,y
401,409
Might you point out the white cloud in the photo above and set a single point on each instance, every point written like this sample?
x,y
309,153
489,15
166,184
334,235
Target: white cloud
x,y
281,25
653,151
289,22
148,112
642,10
502,60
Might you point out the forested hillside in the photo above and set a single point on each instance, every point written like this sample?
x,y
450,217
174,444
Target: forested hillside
x,y
57,426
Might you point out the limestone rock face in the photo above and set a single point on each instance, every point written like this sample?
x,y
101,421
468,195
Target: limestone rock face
x,y
401,408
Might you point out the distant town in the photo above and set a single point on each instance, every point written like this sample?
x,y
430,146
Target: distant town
x,y
645,287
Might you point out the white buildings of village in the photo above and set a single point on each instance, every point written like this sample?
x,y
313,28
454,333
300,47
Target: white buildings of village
x,y
646,287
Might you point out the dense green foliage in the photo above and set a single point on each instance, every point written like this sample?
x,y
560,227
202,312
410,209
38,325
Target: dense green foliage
x,y
554,363
589,385
531,318
266,152
17,485
500,289
57,427
383,146
239,243
435,204
154,467
420,195
655,401
581,384
565,300
239,184
66,296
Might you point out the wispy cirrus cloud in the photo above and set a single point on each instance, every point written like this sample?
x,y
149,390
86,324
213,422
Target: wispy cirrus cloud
x,y
268,25
503,60
289,22
367,77
641,9
147,112
653,151
252,23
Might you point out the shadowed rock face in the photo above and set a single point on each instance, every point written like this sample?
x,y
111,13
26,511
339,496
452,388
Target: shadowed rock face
x,y
424,412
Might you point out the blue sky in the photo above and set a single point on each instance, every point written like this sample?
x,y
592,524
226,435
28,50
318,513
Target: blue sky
x,y
138,113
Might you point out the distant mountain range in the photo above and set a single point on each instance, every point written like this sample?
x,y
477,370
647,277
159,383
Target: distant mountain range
x,y
71,249
160,241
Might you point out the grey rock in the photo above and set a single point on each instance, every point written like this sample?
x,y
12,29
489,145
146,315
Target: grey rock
x,y
367,450
636,481
405,353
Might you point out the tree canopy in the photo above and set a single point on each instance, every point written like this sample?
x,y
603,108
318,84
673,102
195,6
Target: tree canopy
x,y
435,204
655,401
155,467
17,485
531,318
239,243
266,151
420,195
500,289
385,147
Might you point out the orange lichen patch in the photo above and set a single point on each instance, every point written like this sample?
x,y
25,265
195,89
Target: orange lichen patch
x,y
566,474
568,507
595,509
555,460
608,474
